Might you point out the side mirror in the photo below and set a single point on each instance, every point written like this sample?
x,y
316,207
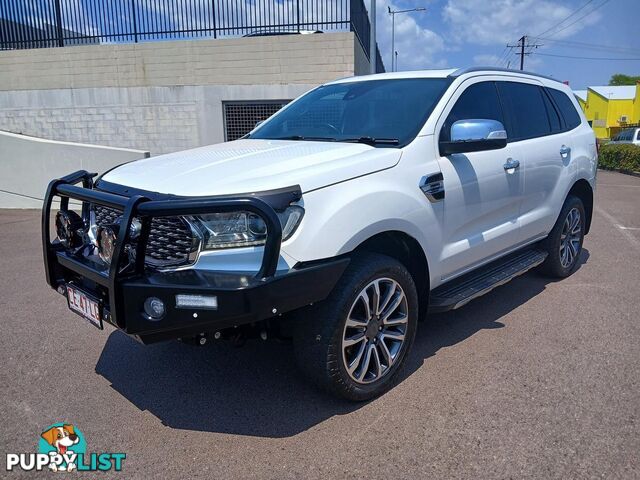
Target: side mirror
x,y
475,135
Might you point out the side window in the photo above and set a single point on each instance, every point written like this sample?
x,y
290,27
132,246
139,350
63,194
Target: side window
x,y
566,107
480,100
554,117
525,110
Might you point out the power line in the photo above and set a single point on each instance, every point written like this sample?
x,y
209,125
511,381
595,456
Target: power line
x,y
590,46
584,58
581,17
564,19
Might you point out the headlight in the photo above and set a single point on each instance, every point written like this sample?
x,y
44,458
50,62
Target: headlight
x,y
242,229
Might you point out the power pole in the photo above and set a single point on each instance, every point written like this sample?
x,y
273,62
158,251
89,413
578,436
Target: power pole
x,y
522,43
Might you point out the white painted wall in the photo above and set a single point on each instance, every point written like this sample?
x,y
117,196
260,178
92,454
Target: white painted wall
x,y
276,59
28,164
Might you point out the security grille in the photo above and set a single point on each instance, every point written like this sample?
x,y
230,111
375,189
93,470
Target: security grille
x,y
241,117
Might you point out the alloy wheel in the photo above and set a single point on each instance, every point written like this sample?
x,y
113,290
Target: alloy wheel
x,y
375,330
570,238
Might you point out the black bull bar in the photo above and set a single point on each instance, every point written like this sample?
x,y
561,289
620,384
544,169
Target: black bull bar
x,y
252,299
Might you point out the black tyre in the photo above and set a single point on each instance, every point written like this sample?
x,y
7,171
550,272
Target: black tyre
x,y
564,243
355,342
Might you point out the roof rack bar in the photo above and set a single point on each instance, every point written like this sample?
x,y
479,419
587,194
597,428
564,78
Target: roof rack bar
x,y
462,71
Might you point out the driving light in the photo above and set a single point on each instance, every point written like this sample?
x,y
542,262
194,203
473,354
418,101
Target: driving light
x,y
106,239
207,302
154,308
69,228
243,229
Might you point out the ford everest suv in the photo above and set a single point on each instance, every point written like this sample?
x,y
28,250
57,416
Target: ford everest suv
x,y
341,219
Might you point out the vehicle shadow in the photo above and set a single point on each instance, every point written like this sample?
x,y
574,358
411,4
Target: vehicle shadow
x,y
256,390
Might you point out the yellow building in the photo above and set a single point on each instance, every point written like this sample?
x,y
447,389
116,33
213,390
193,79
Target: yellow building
x,y
610,109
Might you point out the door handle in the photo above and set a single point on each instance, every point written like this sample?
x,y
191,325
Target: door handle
x,y
511,164
565,151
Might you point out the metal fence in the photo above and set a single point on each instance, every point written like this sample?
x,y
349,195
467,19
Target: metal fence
x,y
58,23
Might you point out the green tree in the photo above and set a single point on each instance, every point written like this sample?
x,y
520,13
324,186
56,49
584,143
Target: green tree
x,y
622,79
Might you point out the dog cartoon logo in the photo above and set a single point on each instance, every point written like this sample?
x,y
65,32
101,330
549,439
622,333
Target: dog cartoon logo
x,y
65,441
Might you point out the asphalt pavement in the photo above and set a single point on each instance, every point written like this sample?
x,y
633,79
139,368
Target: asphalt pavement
x,y
538,379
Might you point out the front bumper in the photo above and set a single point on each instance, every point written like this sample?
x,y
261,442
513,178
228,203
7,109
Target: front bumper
x,y
122,288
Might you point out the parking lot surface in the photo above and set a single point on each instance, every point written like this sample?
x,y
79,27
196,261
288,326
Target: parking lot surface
x,y
539,379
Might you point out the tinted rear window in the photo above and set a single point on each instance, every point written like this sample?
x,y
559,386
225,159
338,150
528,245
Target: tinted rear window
x,y
525,110
568,111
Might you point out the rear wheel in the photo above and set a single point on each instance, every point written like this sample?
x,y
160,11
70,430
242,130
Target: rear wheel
x,y
564,243
355,342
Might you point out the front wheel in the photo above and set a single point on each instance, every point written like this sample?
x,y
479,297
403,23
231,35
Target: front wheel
x,y
564,243
356,341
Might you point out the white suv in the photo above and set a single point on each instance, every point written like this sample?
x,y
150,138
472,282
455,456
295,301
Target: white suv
x,y
339,221
630,135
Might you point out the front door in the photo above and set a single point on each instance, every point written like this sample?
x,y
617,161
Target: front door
x,y
482,197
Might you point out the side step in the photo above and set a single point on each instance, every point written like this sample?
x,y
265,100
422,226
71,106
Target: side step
x,y
458,292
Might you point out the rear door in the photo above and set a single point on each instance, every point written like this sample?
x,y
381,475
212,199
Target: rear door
x,y
482,199
541,121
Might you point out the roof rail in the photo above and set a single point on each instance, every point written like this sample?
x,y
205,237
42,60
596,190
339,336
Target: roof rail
x,y
462,71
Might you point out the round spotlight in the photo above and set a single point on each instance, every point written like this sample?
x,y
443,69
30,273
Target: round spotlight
x,y
69,227
154,308
106,239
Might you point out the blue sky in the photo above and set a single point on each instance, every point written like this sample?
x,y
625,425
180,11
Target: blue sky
x,y
453,33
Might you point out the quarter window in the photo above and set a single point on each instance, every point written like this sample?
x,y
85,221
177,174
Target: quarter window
x,y
479,101
525,110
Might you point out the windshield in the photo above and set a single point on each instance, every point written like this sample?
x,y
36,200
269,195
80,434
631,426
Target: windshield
x,y
385,113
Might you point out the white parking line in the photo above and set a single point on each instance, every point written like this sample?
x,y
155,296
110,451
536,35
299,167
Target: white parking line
x,y
625,231
627,228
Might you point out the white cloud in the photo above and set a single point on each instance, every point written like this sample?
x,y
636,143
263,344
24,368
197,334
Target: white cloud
x,y
483,22
417,47
486,59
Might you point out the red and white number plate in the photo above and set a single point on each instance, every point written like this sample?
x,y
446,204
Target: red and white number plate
x,y
84,305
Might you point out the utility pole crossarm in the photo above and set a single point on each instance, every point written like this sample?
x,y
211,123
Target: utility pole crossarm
x,y
522,44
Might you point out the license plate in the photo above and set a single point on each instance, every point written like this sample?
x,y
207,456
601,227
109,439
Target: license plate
x,y
84,305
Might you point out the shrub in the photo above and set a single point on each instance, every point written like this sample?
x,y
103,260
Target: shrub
x,y
622,157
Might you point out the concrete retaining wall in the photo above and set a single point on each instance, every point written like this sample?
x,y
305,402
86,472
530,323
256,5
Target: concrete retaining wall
x,y
28,164
158,119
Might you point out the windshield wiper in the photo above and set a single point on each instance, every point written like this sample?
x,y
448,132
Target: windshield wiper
x,y
301,137
371,140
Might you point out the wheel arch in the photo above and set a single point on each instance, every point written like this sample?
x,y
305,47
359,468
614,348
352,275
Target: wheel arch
x,y
582,189
408,251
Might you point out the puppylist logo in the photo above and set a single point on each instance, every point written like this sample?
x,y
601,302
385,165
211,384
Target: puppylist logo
x,y
62,448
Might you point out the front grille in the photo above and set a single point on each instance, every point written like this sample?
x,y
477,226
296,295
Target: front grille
x,y
170,241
